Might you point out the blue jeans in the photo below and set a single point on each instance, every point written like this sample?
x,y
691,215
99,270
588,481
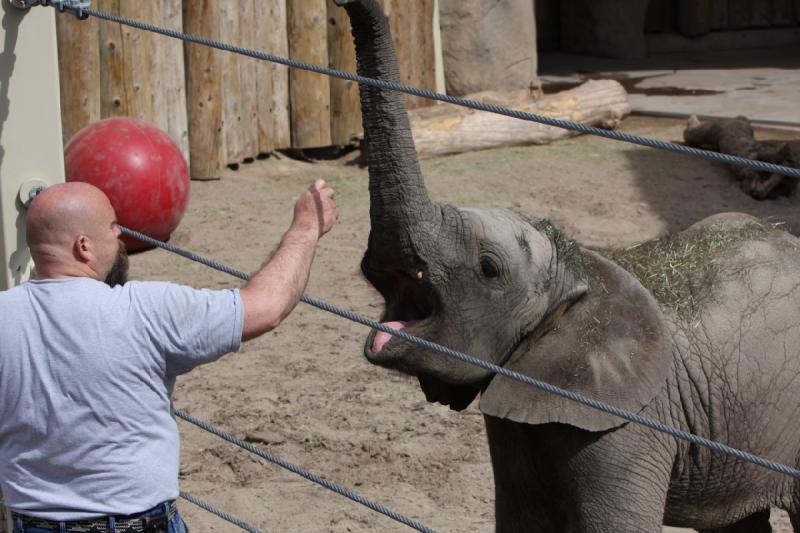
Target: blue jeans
x,y
175,525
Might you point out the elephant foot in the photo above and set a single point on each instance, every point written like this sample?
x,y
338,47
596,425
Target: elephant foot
x,y
755,523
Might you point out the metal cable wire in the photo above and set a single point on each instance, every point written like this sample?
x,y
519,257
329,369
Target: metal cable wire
x,y
527,380
335,487
472,104
222,514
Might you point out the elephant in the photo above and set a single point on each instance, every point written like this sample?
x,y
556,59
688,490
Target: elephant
x,y
699,330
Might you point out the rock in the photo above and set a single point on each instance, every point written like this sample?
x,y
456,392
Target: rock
x,y
488,45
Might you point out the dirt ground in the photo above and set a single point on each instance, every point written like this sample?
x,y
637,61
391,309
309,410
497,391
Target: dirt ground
x,y
305,392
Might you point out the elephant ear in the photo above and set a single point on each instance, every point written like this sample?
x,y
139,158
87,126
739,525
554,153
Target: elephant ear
x,y
611,345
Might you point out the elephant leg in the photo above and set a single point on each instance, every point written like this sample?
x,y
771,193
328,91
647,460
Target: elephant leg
x,y
621,481
527,498
755,523
558,478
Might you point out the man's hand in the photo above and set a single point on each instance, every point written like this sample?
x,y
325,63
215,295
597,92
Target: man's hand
x,y
275,289
315,210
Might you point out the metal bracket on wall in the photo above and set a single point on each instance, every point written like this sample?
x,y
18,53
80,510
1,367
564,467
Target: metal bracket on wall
x,y
30,189
76,7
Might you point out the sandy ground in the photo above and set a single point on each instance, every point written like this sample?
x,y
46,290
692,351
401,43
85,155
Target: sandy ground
x,y
305,392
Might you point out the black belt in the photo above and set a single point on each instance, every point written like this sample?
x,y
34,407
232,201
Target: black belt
x,y
122,524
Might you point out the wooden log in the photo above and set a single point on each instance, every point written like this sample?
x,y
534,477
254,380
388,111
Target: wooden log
x,y
694,17
247,73
79,73
719,15
272,80
229,31
345,106
445,129
137,57
782,13
171,70
735,137
204,91
113,90
310,92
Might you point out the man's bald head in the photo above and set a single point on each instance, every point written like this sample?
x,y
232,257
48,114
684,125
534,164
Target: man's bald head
x,y
71,231
62,212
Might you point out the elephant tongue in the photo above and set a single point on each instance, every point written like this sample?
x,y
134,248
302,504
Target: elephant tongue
x,y
381,337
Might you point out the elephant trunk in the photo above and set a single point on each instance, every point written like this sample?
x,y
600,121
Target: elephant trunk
x,y
398,197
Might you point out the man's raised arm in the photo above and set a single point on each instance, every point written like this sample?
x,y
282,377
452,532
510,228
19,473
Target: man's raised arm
x,y
275,289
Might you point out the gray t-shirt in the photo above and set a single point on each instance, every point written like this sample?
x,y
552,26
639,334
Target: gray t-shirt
x,y
86,376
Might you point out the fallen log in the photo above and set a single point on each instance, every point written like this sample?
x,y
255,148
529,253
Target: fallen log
x,y
448,129
735,137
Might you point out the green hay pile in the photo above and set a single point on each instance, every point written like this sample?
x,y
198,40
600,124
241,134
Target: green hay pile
x,y
680,270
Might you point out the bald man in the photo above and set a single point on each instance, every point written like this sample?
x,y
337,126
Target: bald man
x,y
88,363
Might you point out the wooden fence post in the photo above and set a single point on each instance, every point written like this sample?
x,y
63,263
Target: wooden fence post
x,y
170,107
345,105
310,92
272,80
204,91
248,124
79,73
227,20
113,96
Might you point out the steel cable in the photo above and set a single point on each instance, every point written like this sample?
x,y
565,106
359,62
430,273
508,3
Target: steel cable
x,y
222,514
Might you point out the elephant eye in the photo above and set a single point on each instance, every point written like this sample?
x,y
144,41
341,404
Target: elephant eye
x,y
489,267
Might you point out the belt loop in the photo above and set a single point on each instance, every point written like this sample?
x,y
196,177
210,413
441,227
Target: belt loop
x,y
62,527
18,524
112,524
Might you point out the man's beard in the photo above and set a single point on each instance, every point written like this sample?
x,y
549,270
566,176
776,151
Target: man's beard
x,y
118,274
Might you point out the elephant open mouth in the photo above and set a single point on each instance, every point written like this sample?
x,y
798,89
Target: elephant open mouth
x,y
410,306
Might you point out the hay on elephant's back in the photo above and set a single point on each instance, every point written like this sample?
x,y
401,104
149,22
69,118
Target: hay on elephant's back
x,y
680,270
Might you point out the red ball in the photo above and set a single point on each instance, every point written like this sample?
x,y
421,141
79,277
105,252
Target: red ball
x,y
141,170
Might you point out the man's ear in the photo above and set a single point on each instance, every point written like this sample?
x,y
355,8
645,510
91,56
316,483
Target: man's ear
x,y
83,249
